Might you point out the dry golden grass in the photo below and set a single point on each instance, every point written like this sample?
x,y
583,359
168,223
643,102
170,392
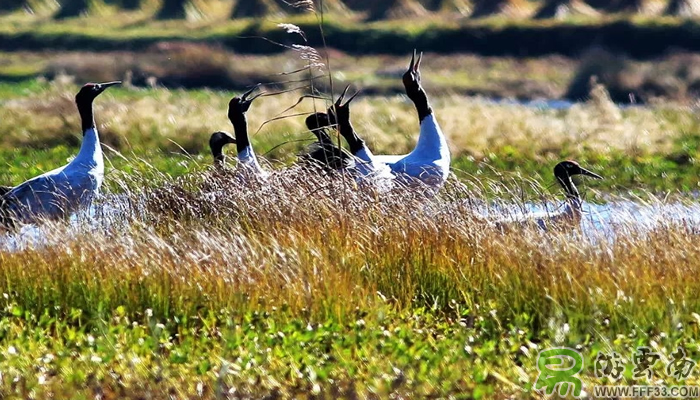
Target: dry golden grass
x,y
140,119
325,246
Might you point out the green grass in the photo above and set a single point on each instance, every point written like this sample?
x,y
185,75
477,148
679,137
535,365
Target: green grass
x,y
383,353
309,287
293,358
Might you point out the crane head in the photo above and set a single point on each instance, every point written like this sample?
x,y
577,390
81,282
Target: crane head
x,y
240,105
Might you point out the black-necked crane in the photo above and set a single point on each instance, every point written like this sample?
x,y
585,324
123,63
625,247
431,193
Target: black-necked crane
x,y
57,193
570,214
366,165
429,162
217,141
324,152
237,109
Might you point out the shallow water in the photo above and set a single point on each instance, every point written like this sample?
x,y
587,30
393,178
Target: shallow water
x,y
608,221
103,214
550,104
600,222
623,216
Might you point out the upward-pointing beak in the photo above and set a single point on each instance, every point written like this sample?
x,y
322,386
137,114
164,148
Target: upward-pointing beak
x,y
591,174
245,95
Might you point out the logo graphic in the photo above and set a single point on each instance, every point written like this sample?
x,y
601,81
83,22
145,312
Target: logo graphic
x,y
680,367
644,359
609,365
559,367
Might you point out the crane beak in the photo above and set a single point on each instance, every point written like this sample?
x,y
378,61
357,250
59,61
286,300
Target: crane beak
x,y
108,84
103,86
342,96
417,66
591,174
352,97
245,95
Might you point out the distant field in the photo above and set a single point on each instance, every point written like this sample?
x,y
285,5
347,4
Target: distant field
x,y
499,56
108,28
196,66
672,78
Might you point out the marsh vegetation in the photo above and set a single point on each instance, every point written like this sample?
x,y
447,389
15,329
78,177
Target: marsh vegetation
x,y
180,282
183,283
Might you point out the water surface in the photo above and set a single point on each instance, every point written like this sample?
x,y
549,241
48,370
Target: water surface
x,y
600,222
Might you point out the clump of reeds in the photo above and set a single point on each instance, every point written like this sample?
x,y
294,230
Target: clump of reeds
x,y
489,8
600,99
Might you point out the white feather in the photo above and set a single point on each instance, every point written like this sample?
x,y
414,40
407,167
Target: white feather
x,y
251,168
372,171
63,190
389,159
569,215
430,159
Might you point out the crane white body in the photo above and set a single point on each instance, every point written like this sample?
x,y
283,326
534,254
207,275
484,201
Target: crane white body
x,y
368,168
429,162
569,214
249,161
63,190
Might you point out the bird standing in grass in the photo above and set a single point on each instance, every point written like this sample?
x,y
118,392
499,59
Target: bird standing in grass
x,y
216,144
570,215
563,173
429,162
324,152
366,164
71,187
237,109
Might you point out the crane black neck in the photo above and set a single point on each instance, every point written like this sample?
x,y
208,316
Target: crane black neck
x,y
217,151
240,130
87,118
348,132
568,185
420,100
